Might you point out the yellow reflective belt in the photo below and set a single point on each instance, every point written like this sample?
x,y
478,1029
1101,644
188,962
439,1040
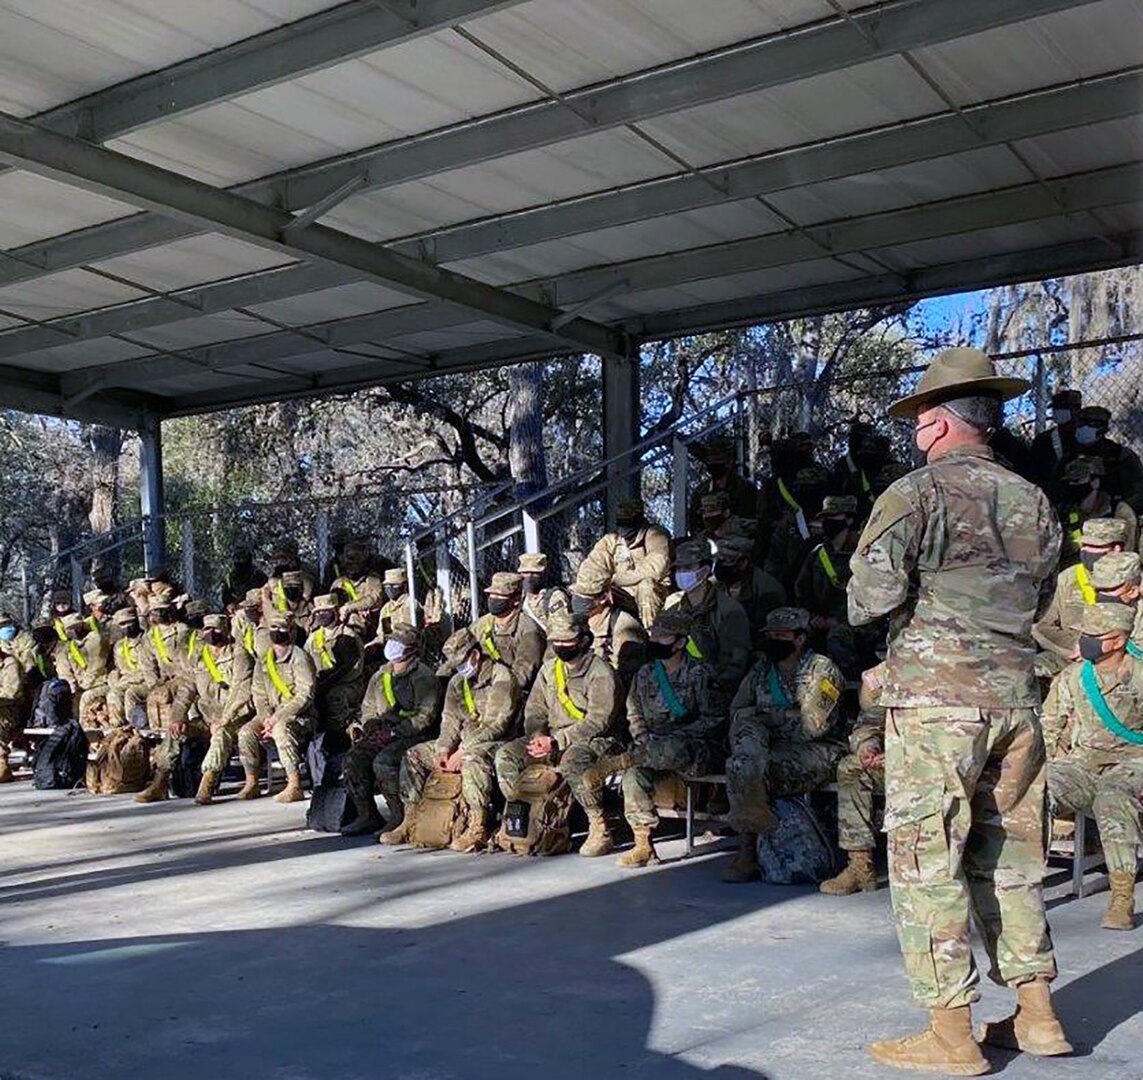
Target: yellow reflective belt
x,y
41,665
693,650
192,643
276,676
77,657
280,601
1083,580
248,640
350,589
160,644
61,633
828,566
570,707
127,652
211,666
469,697
490,648
391,696
319,645
787,498
92,622
856,469
1076,522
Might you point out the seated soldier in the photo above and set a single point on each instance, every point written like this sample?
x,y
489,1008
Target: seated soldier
x,y
11,693
481,704
162,659
362,587
677,719
39,659
860,776
571,719
181,723
401,708
399,608
721,628
339,660
792,539
246,626
283,691
1093,731
1057,630
719,524
635,560
61,608
292,595
617,637
127,685
781,732
276,593
1116,579
506,634
541,597
1082,496
98,614
720,456
223,676
82,660
758,592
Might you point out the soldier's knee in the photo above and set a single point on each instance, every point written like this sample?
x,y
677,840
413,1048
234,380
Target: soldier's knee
x,y
849,770
576,760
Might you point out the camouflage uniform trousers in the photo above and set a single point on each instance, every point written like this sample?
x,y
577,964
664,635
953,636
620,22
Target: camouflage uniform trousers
x,y
372,765
512,759
125,700
964,793
476,775
663,754
222,744
856,787
1113,795
92,706
166,754
288,736
10,726
648,597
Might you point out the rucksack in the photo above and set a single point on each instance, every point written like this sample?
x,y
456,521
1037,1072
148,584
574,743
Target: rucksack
x,y
325,754
537,821
441,814
797,852
61,760
53,704
122,764
329,808
186,770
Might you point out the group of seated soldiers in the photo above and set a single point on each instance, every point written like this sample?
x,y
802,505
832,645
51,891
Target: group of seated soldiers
x,y
727,651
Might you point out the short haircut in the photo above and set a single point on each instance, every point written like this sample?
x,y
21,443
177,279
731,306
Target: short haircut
x,y
980,412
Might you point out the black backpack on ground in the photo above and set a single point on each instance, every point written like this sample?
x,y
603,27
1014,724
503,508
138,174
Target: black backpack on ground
x,y
186,775
53,704
61,760
329,807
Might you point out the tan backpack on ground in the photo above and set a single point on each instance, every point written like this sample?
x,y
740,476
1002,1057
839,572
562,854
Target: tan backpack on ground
x,y
121,764
441,814
537,821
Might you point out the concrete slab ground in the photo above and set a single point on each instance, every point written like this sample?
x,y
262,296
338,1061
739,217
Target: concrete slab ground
x,y
224,942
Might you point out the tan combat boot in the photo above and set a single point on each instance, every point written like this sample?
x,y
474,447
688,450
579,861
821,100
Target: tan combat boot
x,y
1033,1027
251,788
946,1046
1120,913
292,792
157,790
474,838
643,853
400,832
858,876
745,864
6,776
367,820
598,840
205,794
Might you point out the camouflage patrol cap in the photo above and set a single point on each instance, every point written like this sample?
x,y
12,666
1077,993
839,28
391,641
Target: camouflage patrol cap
x,y
216,622
124,617
838,506
505,583
672,623
161,602
715,502
630,510
1100,532
72,620
532,563
293,578
95,597
719,449
396,576
1099,619
279,620
456,647
1067,399
563,626
253,596
788,618
1081,469
406,634
1115,569
694,552
809,476
590,581
195,608
325,602
61,596
733,548
1095,415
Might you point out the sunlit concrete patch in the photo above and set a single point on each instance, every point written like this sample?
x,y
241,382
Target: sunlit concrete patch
x,y
111,956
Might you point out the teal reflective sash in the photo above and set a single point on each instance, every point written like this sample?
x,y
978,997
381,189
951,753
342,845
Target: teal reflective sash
x,y
1134,650
777,694
677,710
1098,702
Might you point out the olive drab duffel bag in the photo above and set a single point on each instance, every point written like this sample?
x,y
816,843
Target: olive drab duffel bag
x,y
441,815
537,821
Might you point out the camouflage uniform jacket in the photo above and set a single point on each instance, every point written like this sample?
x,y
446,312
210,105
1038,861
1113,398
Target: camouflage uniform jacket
x,y
788,548
721,631
274,594
594,690
482,717
365,592
868,729
696,687
397,611
297,675
163,652
542,605
646,558
225,685
1073,517
338,657
816,591
618,638
415,709
129,658
1071,724
519,643
11,676
812,690
253,639
962,554
83,663
1058,629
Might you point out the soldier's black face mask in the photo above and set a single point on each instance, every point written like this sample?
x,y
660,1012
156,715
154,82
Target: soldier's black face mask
x,y
1090,647
717,469
569,652
1089,559
324,618
165,617
832,527
281,567
777,649
582,605
213,637
132,630
661,650
727,572
394,592
252,611
1111,598
294,593
281,637
500,605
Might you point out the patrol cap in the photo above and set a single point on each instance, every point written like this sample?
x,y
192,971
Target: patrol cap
x,y
719,450
279,620
629,511
505,583
563,626
72,620
1102,531
325,602
95,597
293,577
1102,619
788,618
715,502
44,623
396,576
161,602
672,623
1115,569
61,596
693,552
253,596
216,622
1081,469
124,617
406,634
838,506
1067,399
1094,415
590,582
138,583
533,563
456,647
733,548
809,476
195,608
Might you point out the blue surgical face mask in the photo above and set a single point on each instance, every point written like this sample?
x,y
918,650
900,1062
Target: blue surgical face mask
x,y
1087,435
7,633
690,579
394,651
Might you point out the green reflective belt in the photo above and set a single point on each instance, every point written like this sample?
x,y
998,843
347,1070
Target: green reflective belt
x,y
469,697
829,568
248,640
1083,580
777,692
570,707
787,498
127,652
324,654
1095,697
276,676
192,643
350,589
77,657
41,665
490,647
693,651
160,644
211,666
391,696
61,633
280,601
674,705
1076,523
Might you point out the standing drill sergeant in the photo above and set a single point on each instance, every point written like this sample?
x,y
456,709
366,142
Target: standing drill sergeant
x,y
781,733
82,659
634,560
339,660
481,703
506,634
223,678
283,689
127,684
961,555
1093,728
401,708
617,637
571,719
677,719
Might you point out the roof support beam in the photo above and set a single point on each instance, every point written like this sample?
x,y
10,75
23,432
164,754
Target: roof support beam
x,y
39,392
97,169
881,30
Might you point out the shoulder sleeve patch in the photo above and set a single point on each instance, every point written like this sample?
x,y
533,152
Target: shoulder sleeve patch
x,y
891,507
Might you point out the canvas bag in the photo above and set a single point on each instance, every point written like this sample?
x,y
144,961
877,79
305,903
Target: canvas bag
x,y
537,821
441,815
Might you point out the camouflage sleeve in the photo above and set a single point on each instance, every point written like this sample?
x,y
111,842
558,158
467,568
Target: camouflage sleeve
x,y
1051,535
11,678
820,697
1050,632
305,681
369,594
604,701
868,730
885,556
498,712
745,700
733,646
657,561
452,718
1055,717
373,704
259,691
537,707
600,560
238,698
426,695
711,701
530,652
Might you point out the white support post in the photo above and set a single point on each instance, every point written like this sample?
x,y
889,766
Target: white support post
x,y
444,572
679,462
473,572
151,494
411,573
531,533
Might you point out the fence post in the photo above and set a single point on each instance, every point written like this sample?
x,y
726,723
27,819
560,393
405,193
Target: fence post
x,y
473,572
1038,391
321,540
186,540
444,571
679,461
531,533
411,573
76,582
27,607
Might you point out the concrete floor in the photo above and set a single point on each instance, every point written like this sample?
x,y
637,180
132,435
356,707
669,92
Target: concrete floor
x,y
208,943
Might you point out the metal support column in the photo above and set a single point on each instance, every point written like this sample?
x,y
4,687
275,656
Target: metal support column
x,y
1040,398
151,494
620,425
680,458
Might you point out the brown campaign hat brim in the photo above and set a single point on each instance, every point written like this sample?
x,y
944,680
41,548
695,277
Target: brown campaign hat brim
x,y
907,407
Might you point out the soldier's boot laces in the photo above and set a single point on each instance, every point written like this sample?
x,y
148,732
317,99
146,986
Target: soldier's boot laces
x,y
250,789
745,864
6,775
205,794
858,876
367,820
474,838
598,840
399,834
292,792
158,790
1120,913
1033,1027
946,1046
643,853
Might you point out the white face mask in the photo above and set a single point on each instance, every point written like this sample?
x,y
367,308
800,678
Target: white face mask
x,y
395,651
1061,416
690,579
1086,436
467,670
